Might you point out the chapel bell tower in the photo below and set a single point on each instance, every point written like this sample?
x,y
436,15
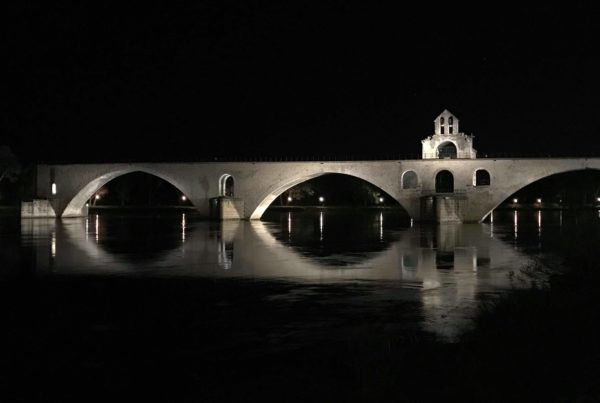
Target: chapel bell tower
x,y
447,140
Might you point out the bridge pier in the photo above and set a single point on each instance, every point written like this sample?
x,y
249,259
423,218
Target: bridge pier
x,y
226,208
44,208
443,209
37,208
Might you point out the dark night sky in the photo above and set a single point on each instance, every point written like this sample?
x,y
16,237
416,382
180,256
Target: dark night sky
x,y
105,81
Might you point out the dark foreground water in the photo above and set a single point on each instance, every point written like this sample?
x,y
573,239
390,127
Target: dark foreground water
x,y
300,306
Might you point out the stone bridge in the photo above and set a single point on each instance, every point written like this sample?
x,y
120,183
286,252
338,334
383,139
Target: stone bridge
x,y
449,183
459,189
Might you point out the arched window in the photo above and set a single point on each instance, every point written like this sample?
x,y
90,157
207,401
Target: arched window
x,y
444,182
450,120
442,120
226,185
447,150
481,178
409,180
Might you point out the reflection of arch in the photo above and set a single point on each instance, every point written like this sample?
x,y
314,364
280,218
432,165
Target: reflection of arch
x,y
481,177
226,185
409,180
410,261
444,182
265,201
444,259
447,150
77,203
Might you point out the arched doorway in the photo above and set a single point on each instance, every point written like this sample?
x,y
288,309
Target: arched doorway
x,y
226,186
444,182
447,150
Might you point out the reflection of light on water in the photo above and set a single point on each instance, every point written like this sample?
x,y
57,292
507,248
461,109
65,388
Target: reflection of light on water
x,y
492,217
516,225
539,220
321,224
289,225
381,226
87,227
97,229
224,260
560,218
446,297
431,284
225,253
53,247
412,222
183,227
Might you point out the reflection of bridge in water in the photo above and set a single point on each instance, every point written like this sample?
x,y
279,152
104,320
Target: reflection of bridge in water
x,y
443,267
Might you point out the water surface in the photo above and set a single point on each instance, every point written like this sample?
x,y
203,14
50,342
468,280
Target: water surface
x,y
370,258
323,303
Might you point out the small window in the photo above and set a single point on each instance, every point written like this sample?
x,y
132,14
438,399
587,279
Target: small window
x,y
450,129
482,178
409,180
450,120
442,129
442,120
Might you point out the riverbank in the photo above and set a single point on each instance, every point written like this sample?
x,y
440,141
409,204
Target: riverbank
x,y
336,207
546,206
142,208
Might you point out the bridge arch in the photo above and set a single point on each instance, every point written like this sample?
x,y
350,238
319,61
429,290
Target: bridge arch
x,y
77,203
265,201
508,191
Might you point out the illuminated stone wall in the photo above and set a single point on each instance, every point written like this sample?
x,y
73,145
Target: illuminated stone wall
x,y
446,130
258,184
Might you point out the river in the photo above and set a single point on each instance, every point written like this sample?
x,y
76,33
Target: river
x,y
113,284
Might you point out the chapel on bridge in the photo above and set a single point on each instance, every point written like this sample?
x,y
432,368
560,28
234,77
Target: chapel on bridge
x,y
447,140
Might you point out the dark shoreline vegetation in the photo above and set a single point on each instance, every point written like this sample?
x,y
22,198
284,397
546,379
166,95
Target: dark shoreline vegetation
x,y
100,338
